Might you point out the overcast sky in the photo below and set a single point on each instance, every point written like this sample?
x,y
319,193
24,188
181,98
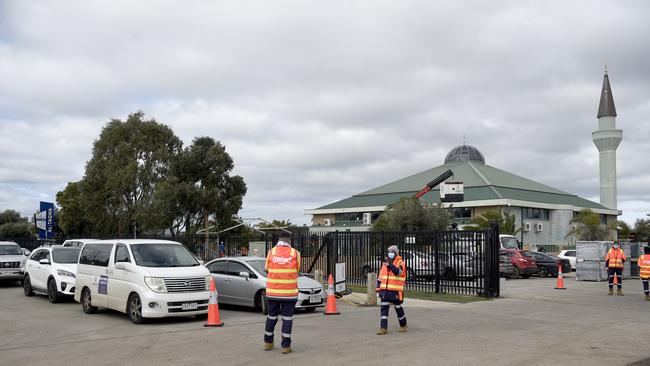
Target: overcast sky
x,y
317,101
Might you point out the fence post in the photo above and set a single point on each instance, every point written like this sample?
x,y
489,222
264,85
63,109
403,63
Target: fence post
x,y
372,293
436,260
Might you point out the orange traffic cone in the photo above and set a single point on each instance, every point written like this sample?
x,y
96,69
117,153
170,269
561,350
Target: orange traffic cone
x,y
560,280
213,308
330,307
615,279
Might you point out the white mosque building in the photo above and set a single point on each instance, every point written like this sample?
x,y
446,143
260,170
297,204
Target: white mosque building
x,y
542,211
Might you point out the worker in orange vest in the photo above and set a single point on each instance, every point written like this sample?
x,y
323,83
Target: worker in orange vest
x,y
644,267
614,261
390,286
282,266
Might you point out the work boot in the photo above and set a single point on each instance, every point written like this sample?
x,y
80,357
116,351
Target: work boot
x,y
647,297
611,292
403,329
382,331
268,346
619,292
286,350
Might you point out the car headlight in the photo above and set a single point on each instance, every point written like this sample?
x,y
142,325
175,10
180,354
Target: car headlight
x,y
156,284
208,279
63,272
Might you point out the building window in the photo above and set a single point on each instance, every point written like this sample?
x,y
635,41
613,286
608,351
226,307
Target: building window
x,y
537,213
349,217
461,213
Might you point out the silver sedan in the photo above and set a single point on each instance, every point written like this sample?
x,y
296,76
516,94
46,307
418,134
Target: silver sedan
x,y
242,281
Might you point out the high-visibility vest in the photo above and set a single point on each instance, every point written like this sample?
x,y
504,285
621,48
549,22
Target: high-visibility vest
x,y
615,258
644,266
391,282
282,265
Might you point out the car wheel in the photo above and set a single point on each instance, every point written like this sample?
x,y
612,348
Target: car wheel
x,y
27,286
262,303
310,310
449,274
52,291
542,272
86,303
134,309
516,273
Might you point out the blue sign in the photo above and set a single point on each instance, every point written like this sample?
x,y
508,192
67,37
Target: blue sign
x,y
45,220
103,285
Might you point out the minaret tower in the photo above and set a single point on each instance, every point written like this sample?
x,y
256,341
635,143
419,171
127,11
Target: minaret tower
x,y
606,139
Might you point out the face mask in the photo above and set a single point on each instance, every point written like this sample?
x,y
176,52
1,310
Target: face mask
x,y
391,255
615,246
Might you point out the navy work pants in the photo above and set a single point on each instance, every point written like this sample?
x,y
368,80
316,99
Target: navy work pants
x,y
285,308
385,306
619,274
645,286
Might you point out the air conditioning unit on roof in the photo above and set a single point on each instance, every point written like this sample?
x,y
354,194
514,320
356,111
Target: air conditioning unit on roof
x,y
367,218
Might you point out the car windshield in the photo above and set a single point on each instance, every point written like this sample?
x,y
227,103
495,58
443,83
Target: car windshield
x,y
509,242
258,265
65,255
10,249
163,255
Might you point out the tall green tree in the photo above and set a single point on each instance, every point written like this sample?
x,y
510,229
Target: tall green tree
x,y
11,216
12,225
72,216
623,229
587,226
642,229
507,223
128,160
200,186
409,215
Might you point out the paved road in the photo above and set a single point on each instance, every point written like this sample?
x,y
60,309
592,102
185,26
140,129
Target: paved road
x,y
533,325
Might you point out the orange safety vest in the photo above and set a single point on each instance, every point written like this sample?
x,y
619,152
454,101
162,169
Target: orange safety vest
x,y
615,258
389,281
644,266
282,265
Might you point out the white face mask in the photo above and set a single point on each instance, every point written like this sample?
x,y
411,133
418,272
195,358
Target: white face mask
x,y
391,255
615,246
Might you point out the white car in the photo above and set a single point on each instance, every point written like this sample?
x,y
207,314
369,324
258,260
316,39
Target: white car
x,y
142,278
569,254
12,261
51,271
77,243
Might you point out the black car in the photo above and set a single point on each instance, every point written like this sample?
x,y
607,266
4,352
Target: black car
x,y
547,264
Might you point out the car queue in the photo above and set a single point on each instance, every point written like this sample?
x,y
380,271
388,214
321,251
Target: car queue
x,y
143,278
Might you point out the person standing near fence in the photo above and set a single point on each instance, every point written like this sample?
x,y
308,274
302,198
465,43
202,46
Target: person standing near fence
x,y
390,286
282,265
614,261
644,271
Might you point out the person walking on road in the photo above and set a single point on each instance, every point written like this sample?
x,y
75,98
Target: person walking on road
x,y
282,265
390,286
614,261
644,267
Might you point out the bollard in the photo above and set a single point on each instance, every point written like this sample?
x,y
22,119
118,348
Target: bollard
x,y
318,276
372,284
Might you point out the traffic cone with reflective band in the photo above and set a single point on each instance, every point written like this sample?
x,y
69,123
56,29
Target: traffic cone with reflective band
x,y
560,280
330,307
213,308
615,279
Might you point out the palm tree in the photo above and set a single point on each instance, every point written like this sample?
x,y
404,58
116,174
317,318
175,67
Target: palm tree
x,y
623,229
506,223
587,226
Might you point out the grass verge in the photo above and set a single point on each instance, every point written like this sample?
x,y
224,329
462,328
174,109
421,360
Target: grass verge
x,y
421,295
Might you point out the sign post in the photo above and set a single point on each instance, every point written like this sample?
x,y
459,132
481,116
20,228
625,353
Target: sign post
x,y
45,220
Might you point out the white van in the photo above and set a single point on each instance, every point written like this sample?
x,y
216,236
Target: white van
x,y
142,278
508,241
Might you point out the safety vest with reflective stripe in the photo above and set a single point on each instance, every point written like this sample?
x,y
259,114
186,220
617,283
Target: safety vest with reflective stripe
x,y
391,282
615,258
282,265
644,266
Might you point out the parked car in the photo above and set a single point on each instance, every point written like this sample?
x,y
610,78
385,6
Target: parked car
x,y
506,268
547,264
142,278
12,261
507,241
77,243
570,255
421,266
524,263
51,271
242,281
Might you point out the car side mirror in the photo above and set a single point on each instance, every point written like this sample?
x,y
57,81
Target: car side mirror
x,y
44,261
120,265
245,275
26,251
